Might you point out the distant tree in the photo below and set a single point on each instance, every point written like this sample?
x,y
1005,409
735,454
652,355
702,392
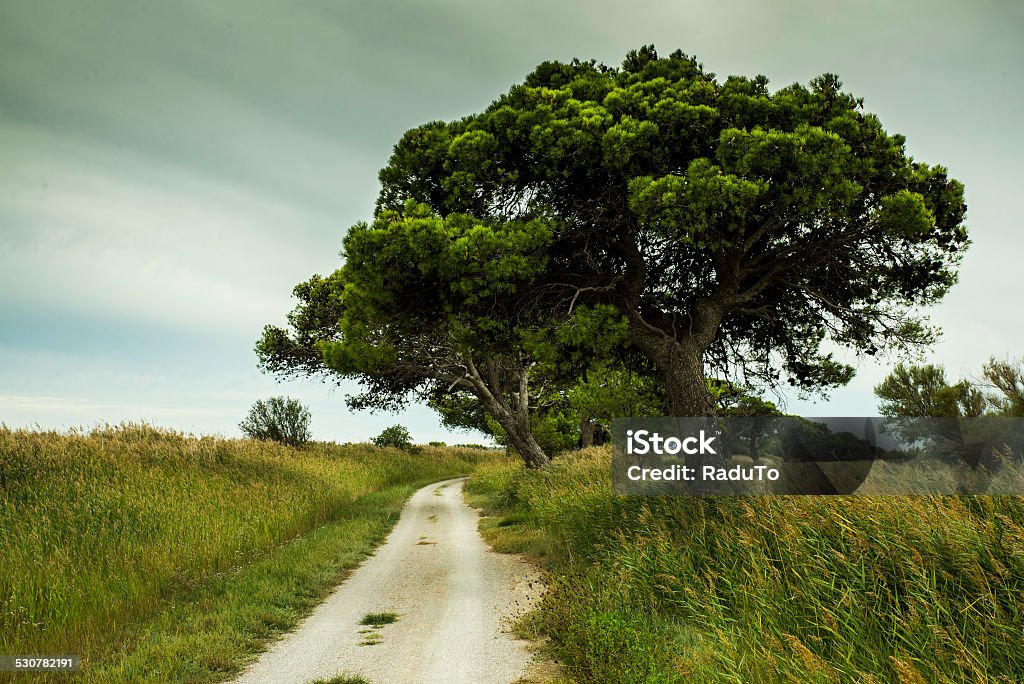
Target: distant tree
x,y
758,425
279,419
396,436
1007,379
915,395
923,391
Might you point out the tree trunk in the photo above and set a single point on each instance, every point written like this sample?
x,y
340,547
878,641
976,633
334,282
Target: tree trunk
x,y
686,382
513,416
524,443
520,435
586,433
680,358
682,367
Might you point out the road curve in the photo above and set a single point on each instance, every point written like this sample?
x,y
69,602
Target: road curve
x,y
454,598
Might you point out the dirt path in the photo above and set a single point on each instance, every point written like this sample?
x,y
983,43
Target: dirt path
x,y
453,596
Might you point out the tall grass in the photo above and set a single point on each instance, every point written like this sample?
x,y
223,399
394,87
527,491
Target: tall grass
x,y
101,529
766,589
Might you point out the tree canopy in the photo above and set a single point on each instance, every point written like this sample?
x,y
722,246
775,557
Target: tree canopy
x,y
425,305
735,228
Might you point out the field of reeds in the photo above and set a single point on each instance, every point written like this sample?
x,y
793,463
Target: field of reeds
x,y
763,589
124,544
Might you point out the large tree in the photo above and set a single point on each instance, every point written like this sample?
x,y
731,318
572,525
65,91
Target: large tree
x,y
736,229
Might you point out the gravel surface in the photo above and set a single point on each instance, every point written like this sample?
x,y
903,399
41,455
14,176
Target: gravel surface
x,y
454,599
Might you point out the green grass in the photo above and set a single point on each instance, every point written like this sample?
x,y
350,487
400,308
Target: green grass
x,y
378,619
343,679
763,589
168,558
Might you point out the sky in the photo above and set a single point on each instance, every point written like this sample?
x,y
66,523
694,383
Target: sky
x,y
170,170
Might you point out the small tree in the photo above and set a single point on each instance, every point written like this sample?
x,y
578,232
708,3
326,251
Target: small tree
x,y
923,391
395,436
915,396
1007,378
758,428
279,419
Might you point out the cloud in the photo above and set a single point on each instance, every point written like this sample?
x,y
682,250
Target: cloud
x,y
71,406
169,171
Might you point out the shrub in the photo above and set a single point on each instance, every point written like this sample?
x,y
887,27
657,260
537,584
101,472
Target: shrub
x,y
395,436
278,419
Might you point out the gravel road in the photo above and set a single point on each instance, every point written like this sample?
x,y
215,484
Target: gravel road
x,y
453,596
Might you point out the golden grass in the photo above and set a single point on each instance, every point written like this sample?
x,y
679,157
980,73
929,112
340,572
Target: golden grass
x,y
765,589
100,529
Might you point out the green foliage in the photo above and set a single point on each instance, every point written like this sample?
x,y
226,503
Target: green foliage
x,y
913,392
585,369
428,306
1006,378
719,218
555,430
278,419
763,589
411,268
919,391
461,411
611,391
396,436
608,389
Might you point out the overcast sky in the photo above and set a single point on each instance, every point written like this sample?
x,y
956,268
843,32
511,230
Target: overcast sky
x,y
170,170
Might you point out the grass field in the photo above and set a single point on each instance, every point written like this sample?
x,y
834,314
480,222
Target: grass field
x,y
763,589
164,557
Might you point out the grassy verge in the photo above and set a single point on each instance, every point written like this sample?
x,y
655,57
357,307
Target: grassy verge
x,y
764,589
162,557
